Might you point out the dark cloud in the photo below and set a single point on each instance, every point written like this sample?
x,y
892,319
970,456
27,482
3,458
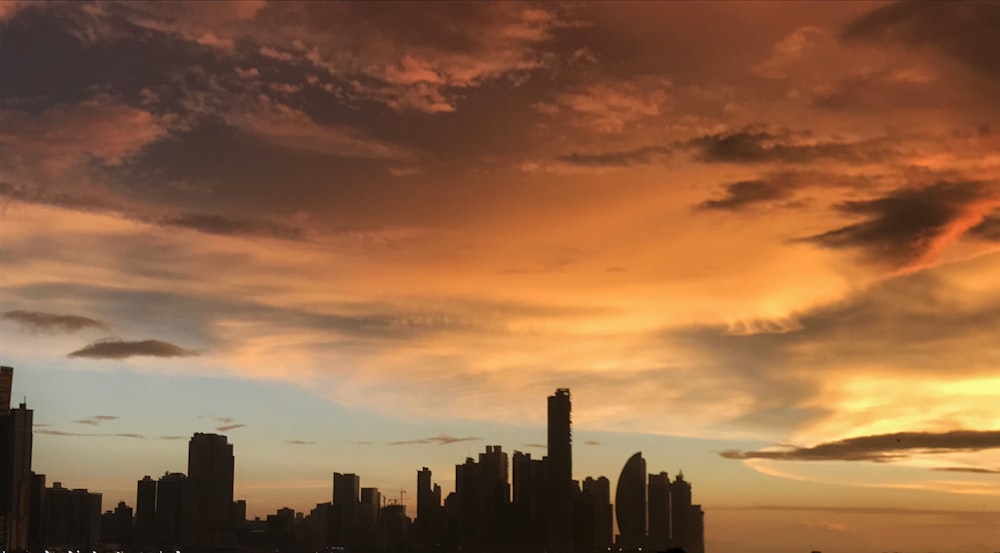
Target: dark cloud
x,y
964,30
85,435
972,470
745,193
97,419
120,349
299,442
228,427
591,442
988,228
441,439
48,322
880,448
754,144
625,158
229,226
902,226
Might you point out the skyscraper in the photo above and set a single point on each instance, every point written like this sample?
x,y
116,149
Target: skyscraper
x,y
560,472
687,520
210,468
659,510
346,489
15,467
630,503
429,515
604,526
145,512
177,515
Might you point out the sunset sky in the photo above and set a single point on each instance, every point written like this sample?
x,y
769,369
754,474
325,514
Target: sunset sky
x,y
760,243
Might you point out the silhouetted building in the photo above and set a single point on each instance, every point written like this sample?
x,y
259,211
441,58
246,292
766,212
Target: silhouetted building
x,y
529,514
393,528
368,513
346,489
560,472
145,512
630,503
37,514
6,387
73,517
345,515
210,468
239,520
494,495
176,510
659,510
600,488
116,525
15,467
687,520
428,526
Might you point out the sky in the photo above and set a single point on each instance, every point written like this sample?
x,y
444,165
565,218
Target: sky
x,y
760,243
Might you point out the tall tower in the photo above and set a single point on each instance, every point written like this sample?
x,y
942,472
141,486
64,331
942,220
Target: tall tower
x,y
6,384
145,512
560,472
428,522
346,489
630,503
15,467
659,511
210,467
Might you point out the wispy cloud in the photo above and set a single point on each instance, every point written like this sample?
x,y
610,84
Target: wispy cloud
x,y
228,427
37,321
120,349
971,470
97,419
880,448
755,144
440,439
299,442
86,435
234,226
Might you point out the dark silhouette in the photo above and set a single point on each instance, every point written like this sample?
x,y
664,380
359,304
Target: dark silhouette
x,y
541,509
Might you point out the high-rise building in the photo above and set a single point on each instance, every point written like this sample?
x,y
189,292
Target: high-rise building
x,y
600,488
210,467
428,525
145,512
176,510
559,472
6,385
493,485
659,510
15,467
73,517
116,525
630,503
345,514
687,520
530,514
346,489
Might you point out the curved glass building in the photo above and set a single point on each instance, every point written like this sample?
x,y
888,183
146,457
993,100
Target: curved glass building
x,y
630,503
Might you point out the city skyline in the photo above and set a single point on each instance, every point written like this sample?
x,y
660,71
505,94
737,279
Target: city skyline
x,y
497,505
759,241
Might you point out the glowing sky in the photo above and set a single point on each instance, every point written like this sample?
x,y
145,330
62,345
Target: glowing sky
x,y
759,242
